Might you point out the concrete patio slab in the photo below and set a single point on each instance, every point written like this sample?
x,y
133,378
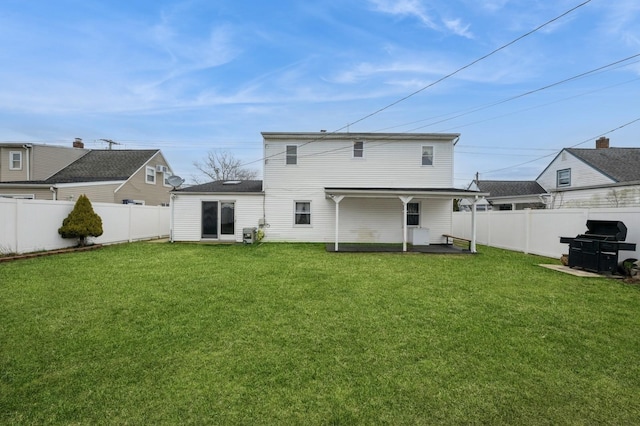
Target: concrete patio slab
x,y
571,271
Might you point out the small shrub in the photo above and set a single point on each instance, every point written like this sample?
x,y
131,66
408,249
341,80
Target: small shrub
x,y
82,222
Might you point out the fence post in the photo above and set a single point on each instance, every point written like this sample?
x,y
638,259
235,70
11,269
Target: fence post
x,y
130,222
18,216
527,230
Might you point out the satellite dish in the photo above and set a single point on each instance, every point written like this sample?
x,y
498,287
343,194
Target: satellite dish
x,y
175,181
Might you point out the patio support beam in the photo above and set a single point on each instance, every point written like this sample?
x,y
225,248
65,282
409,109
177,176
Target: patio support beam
x,y
472,245
336,199
405,201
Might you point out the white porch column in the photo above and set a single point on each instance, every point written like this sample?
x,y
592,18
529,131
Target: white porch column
x,y
336,199
472,246
405,201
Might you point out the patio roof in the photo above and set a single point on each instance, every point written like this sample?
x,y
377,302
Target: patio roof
x,y
375,192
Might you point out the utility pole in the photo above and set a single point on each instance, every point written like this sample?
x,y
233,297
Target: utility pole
x,y
110,142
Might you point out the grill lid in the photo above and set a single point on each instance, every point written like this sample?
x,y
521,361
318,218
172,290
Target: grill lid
x,y
612,229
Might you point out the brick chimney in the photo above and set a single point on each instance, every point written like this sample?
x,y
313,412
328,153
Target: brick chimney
x,y
78,143
602,143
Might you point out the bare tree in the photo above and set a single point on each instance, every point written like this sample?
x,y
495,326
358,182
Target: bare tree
x,y
222,165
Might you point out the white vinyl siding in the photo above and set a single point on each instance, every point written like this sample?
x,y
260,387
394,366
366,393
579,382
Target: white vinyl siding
x,y
389,164
187,210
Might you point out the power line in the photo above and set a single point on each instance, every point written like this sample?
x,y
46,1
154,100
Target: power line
x,y
451,74
521,95
572,146
467,66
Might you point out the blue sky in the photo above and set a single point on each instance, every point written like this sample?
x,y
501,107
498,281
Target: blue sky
x,y
191,76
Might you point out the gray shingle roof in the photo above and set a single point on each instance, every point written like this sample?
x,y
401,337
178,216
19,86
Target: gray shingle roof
x,y
510,188
104,165
229,186
620,164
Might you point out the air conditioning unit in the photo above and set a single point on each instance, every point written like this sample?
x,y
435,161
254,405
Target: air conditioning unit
x,y
161,169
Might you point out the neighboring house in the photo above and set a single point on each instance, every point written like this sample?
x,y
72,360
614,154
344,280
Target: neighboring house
x,y
27,162
512,194
107,176
333,187
600,177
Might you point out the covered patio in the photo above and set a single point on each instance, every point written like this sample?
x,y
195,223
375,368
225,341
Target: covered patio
x,y
405,196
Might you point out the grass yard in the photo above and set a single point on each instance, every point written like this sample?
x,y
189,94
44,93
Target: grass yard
x,y
148,333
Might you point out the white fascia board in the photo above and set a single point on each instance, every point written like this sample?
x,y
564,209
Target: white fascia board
x,y
318,136
404,192
74,184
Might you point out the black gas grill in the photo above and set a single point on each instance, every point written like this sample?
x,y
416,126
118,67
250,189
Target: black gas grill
x,y
597,249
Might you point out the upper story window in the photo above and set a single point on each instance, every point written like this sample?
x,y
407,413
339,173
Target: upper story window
x,y
563,177
413,214
427,156
302,213
358,149
292,154
15,160
150,175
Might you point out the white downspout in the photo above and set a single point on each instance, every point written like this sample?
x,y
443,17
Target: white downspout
x,y
27,148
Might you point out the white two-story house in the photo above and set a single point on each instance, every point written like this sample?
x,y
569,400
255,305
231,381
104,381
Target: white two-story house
x,y
334,188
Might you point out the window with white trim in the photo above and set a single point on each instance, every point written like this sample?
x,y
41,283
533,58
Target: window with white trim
x,y
563,178
150,175
165,178
413,214
427,155
302,215
15,160
292,154
358,149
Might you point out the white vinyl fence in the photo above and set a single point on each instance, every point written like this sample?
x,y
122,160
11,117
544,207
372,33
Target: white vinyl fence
x,y
539,231
32,225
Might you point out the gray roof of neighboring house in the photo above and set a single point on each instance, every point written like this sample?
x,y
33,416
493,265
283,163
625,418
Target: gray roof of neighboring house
x,y
510,188
225,186
104,165
620,164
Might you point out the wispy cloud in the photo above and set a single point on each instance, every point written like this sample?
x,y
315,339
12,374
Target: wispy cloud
x,y
623,22
428,16
411,8
457,27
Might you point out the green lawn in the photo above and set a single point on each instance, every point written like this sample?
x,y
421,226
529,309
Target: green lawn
x,y
290,334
